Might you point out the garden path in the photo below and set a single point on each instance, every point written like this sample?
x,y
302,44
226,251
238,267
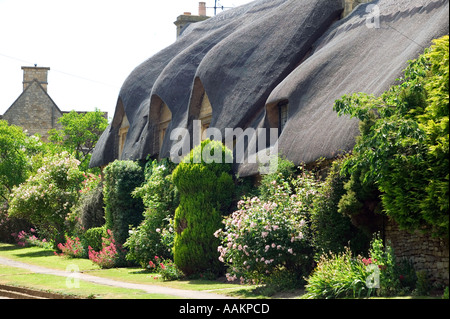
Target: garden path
x,y
151,289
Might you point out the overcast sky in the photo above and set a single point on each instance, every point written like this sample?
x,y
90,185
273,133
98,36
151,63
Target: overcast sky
x,y
91,46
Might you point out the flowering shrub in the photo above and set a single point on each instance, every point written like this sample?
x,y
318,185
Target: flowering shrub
x,y
109,255
25,239
264,237
337,276
343,275
72,248
166,268
45,199
90,182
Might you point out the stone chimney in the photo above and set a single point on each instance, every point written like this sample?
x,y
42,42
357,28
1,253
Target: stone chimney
x,y
202,9
184,20
31,73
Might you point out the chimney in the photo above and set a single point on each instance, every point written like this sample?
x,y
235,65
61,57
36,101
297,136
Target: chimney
x,y
202,9
31,73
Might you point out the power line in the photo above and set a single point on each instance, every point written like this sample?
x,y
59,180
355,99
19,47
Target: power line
x,y
61,72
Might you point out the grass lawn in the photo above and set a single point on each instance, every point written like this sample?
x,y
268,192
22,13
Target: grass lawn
x,y
46,258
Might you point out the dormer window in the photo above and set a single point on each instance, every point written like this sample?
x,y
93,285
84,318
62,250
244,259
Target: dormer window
x,y
282,114
123,131
205,114
164,120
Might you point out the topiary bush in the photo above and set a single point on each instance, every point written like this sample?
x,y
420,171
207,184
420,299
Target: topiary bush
x,y
122,210
206,190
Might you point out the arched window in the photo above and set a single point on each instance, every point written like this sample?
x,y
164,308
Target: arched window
x,y
160,117
282,114
165,117
200,109
278,115
205,114
123,131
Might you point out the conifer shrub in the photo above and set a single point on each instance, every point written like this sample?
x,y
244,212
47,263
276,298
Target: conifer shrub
x,y
122,210
206,189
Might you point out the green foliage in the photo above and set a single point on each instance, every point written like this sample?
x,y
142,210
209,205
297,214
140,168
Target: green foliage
x,y
80,133
206,190
338,276
45,199
384,258
332,230
403,147
263,239
16,157
342,275
93,238
160,197
88,212
122,210
166,268
284,171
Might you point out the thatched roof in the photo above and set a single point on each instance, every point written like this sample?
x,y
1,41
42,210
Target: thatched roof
x,y
250,58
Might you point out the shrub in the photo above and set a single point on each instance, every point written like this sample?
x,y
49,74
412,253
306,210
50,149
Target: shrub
x,y
93,238
206,191
166,268
46,198
264,238
89,209
160,198
121,209
338,276
10,225
341,275
110,254
404,146
331,229
72,248
25,239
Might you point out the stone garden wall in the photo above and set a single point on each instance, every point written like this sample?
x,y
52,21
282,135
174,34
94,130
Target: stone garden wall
x,y
426,253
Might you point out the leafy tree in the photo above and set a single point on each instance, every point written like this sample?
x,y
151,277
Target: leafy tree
x,y
45,199
404,144
16,151
80,133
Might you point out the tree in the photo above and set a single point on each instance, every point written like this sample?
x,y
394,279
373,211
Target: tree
x,y
206,191
45,198
16,152
404,144
80,133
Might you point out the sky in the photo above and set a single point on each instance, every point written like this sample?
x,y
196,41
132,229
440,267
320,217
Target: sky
x,y
91,46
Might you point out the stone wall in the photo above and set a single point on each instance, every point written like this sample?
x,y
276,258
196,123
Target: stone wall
x,y
426,253
34,111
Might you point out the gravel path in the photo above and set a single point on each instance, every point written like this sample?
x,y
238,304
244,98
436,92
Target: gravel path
x,y
151,289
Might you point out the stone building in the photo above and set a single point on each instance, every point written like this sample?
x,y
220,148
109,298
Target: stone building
x,y
34,110
276,64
